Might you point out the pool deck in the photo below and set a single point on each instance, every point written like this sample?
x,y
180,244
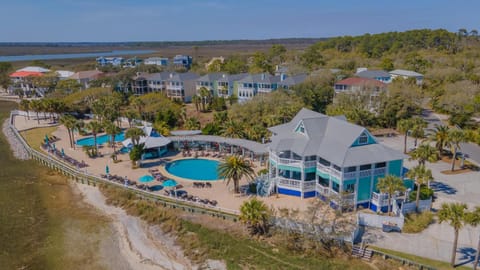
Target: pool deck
x,y
219,191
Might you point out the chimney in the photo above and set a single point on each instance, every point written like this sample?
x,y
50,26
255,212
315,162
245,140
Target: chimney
x,y
263,76
283,77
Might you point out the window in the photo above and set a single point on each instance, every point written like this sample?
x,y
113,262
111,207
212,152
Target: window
x,y
350,188
351,169
363,139
337,168
323,161
381,165
365,167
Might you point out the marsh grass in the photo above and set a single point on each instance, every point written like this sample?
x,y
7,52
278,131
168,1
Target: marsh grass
x,y
201,242
43,225
417,222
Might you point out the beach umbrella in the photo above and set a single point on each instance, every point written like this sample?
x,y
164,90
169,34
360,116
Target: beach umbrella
x,y
170,183
146,178
54,147
107,169
63,153
46,139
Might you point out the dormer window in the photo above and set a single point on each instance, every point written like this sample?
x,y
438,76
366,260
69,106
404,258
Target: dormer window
x,y
300,128
363,139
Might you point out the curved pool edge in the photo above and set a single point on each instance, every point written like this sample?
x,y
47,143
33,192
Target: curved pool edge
x,y
165,172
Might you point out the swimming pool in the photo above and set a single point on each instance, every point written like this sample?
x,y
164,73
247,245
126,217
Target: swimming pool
x,y
194,169
100,139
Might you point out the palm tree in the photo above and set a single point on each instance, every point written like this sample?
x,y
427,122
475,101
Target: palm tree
x,y
25,106
232,129
36,106
473,219
112,130
138,103
162,128
233,169
130,115
390,184
425,152
422,176
206,97
255,214
95,127
440,136
404,126
69,122
456,215
134,134
192,123
196,100
455,137
418,128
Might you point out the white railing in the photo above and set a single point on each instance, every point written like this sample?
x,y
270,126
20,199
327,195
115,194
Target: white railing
x,y
379,171
350,175
309,185
323,168
310,163
365,173
380,199
323,190
291,183
336,173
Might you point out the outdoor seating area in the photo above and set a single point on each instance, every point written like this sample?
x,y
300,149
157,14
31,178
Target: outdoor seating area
x,y
202,185
60,154
157,175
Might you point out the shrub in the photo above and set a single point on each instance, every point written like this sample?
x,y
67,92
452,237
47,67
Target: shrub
x,y
415,223
425,194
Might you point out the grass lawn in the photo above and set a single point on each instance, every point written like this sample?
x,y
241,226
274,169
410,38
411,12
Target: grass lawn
x,y
36,136
434,263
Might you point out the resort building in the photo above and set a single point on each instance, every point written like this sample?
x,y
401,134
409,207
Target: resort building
x,y
255,84
157,61
155,145
359,84
407,74
219,84
181,86
24,80
85,77
317,155
184,61
114,61
379,75
286,82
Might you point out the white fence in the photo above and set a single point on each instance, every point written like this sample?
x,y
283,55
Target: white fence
x,y
423,205
377,221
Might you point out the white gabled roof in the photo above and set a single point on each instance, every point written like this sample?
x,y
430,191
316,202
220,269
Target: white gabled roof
x,y
407,73
34,69
64,73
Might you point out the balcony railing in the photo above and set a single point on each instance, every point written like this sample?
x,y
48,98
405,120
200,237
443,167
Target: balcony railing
x,y
323,190
290,183
379,171
310,163
336,173
350,175
380,199
323,168
365,173
309,185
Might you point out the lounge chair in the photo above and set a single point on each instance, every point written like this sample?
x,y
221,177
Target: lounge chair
x,y
208,185
213,203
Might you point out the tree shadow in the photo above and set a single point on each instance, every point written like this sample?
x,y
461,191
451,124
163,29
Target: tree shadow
x,y
442,187
467,255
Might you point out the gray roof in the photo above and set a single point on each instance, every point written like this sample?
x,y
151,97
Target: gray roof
x,y
293,80
255,147
187,76
232,77
210,77
260,78
330,138
407,73
159,76
372,74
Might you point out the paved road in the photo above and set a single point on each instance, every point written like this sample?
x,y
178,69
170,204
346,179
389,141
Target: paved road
x,y
472,150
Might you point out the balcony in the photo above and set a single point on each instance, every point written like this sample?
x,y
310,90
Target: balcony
x,y
286,161
350,175
310,163
323,168
325,191
365,173
379,171
304,186
380,199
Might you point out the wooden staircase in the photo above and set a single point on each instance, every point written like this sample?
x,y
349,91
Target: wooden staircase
x,y
362,253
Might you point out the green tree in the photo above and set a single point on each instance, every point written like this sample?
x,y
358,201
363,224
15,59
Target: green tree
x,y
25,106
404,126
390,184
256,215
422,176
456,215
440,137
136,153
232,129
138,104
112,130
261,63
69,122
418,129
473,218
312,57
134,134
196,100
235,168
162,128
37,106
455,138
95,127
423,153
206,97
387,64
192,123
234,65
130,115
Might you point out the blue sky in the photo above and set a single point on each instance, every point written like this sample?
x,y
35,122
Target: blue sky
x,y
178,20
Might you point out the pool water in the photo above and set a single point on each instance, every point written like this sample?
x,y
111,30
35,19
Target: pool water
x,y
100,139
194,169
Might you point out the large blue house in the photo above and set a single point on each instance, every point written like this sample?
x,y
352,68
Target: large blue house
x,y
317,155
